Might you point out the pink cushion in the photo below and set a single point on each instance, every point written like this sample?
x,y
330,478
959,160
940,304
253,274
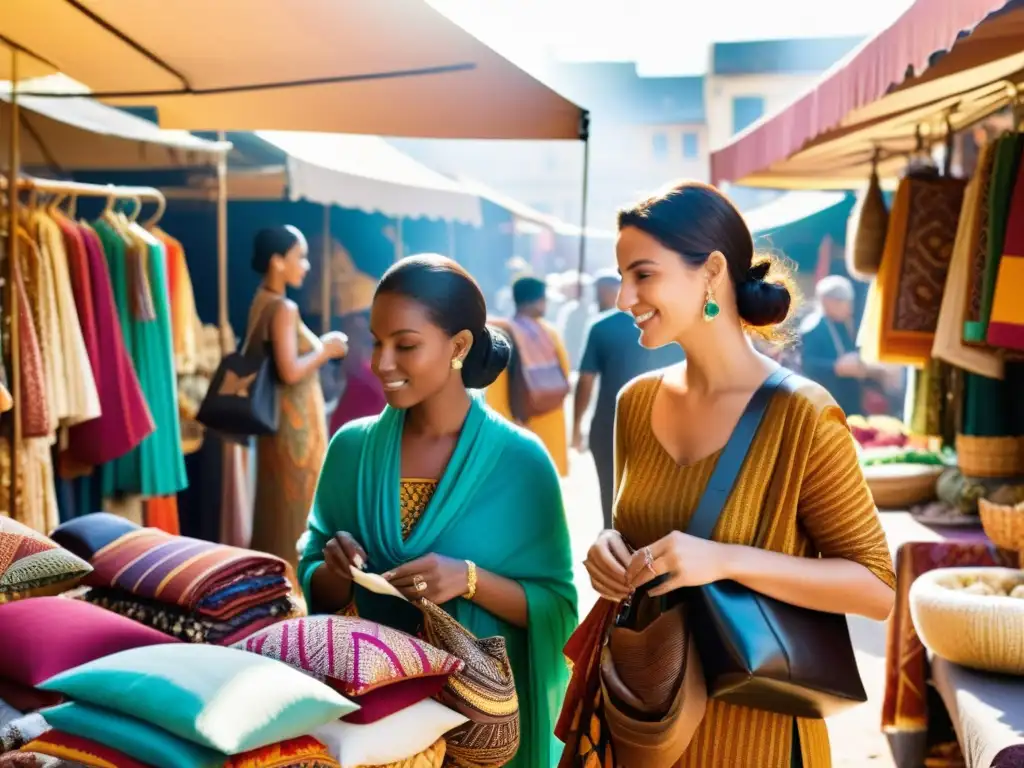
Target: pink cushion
x,y
44,636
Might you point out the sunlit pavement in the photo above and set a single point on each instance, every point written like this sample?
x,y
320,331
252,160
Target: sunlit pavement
x,y
856,738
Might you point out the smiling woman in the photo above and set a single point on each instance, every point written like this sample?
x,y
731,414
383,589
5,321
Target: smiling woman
x,y
445,498
799,524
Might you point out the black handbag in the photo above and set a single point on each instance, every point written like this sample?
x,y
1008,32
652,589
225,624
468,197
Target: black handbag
x,y
757,651
243,399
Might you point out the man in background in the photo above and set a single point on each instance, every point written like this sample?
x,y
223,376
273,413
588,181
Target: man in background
x,y
575,314
612,356
828,349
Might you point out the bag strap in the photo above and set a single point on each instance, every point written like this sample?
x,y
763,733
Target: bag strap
x,y
259,325
730,462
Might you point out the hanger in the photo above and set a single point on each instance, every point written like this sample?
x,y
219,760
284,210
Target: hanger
x,y
108,209
136,210
161,208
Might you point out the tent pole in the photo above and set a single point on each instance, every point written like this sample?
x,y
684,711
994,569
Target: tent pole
x,y
227,336
11,298
585,135
325,273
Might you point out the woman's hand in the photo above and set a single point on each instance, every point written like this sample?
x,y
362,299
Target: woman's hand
x,y
341,552
689,562
335,344
606,563
437,578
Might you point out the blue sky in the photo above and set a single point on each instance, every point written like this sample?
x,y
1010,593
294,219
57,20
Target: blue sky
x,y
665,37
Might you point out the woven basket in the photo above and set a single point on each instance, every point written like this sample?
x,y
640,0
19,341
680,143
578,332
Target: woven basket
x,y
901,486
990,456
983,632
1003,523
866,233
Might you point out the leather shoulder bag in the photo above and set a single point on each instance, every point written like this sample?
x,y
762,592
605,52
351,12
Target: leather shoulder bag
x,y
757,651
243,399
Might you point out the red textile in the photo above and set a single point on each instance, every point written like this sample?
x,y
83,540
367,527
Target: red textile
x,y
125,421
162,513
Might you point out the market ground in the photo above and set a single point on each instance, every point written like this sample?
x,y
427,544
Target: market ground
x,y
857,740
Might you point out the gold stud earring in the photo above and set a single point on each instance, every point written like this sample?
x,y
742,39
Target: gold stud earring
x,y
457,364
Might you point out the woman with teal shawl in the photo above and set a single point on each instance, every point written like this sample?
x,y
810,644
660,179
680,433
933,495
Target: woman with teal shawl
x,y
491,543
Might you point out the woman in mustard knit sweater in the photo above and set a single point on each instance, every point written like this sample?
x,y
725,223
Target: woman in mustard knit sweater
x,y
800,525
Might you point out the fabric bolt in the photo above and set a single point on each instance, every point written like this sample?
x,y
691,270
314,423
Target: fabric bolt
x,y
156,466
220,698
186,572
1004,174
549,427
191,627
497,504
1006,322
125,419
30,653
358,658
30,561
79,385
800,492
147,743
287,462
65,746
88,534
918,249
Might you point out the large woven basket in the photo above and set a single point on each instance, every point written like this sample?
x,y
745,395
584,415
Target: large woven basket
x,y
901,486
983,632
990,456
1003,523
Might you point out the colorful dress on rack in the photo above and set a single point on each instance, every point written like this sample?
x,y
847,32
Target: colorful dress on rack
x,y
287,462
138,271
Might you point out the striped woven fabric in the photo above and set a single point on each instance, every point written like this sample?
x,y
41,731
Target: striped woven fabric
x,y
78,750
198,575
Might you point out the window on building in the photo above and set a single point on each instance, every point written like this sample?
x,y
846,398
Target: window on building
x,y
691,147
659,146
746,110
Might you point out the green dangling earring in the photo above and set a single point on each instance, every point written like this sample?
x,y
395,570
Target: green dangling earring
x,y
711,308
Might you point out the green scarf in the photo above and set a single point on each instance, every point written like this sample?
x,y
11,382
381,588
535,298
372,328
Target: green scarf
x,y
498,504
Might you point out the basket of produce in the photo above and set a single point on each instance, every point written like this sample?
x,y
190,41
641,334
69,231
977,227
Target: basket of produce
x,y
972,616
901,477
1002,517
990,456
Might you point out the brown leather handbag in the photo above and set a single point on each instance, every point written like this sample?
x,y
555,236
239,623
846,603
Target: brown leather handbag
x,y
757,651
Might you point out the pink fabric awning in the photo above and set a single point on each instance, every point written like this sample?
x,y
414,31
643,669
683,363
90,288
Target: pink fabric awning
x,y
902,50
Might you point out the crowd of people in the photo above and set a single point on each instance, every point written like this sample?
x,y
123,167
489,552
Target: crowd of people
x,y
449,440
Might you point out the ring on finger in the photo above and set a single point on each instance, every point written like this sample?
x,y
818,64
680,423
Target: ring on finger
x,y
421,586
649,560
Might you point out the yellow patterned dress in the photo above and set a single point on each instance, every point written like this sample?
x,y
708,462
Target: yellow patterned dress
x,y
288,462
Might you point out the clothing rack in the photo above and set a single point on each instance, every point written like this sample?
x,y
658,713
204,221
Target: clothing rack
x,y
61,190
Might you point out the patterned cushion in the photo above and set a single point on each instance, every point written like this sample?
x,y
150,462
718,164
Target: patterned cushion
x,y
31,653
32,564
221,698
381,669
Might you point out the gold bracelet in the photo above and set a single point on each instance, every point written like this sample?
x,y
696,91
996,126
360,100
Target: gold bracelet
x,y
471,579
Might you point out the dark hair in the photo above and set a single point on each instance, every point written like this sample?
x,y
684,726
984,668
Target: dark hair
x,y
528,289
455,303
694,220
271,242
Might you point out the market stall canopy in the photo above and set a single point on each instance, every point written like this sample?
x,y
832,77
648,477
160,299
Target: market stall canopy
x,y
82,134
368,174
942,60
790,208
529,218
386,67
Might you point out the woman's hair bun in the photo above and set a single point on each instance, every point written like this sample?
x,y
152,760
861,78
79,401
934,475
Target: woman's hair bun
x,y
487,358
760,301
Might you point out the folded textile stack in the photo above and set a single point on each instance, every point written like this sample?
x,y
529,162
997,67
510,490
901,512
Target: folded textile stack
x,y
392,676
178,705
190,589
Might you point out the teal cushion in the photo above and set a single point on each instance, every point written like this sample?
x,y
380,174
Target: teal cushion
x,y
222,698
146,743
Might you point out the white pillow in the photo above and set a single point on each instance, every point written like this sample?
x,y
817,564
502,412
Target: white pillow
x,y
396,737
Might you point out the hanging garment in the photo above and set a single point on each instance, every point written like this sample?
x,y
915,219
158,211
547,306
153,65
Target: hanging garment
x,y
162,512
79,384
34,405
918,249
36,503
1006,323
156,466
1004,174
185,323
38,284
125,420
949,343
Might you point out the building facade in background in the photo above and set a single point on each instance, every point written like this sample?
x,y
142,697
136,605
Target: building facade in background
x,y
644,130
